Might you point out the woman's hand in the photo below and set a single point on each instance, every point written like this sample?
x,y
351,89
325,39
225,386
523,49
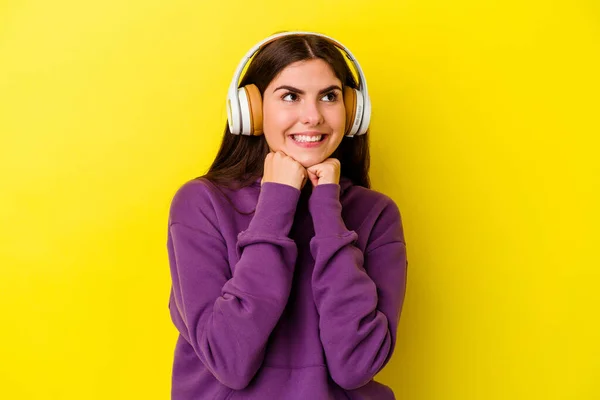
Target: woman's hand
x,y
280,168
326,172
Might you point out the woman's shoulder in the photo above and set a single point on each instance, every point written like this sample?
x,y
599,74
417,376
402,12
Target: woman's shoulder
x,y
197,190
201,195
368,198
373,211
194,199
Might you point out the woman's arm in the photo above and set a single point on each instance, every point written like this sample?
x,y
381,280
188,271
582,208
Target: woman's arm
x,y
358,295
228,319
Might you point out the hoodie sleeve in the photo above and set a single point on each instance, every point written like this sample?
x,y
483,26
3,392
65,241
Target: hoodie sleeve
x,y
359,295
228,319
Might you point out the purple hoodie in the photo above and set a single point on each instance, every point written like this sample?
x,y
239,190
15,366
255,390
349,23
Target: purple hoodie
x,y
279,293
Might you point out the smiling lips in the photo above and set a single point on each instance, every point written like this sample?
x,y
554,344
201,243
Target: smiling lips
x,y
308,139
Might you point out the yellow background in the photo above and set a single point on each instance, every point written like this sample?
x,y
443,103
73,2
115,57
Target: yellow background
x,y
485,132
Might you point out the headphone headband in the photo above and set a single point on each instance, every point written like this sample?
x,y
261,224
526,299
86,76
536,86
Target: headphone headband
x,y
233,98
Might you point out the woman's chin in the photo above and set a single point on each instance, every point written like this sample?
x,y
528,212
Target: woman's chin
x,y
305,158
307,162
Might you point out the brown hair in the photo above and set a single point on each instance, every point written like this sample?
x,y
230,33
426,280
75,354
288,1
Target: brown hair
x,y
240,159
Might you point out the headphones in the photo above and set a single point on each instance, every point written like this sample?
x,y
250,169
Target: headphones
x,y
244,105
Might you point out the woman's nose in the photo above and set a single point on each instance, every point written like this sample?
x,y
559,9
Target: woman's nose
x,y
310,113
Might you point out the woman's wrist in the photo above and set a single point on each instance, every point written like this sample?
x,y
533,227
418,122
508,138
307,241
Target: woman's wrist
x,y
275,209
326,210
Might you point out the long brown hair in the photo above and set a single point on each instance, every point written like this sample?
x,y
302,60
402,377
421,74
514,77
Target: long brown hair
x,y
240,159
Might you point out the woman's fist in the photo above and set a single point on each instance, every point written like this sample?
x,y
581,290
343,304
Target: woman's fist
x,y
326,172
280,168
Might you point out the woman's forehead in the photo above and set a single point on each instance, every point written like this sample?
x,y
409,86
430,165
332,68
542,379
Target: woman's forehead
x,y
314,71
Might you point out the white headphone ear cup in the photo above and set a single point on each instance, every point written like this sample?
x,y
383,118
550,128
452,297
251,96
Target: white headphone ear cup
x,y
233,111
246,123
366,117
233,119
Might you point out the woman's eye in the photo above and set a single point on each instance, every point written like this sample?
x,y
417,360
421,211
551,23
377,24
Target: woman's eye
x,y
290,97
331,96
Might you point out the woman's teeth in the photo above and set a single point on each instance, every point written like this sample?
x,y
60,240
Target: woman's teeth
x,y
307,139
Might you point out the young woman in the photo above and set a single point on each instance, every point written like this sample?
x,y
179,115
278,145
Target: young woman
x,y
288,272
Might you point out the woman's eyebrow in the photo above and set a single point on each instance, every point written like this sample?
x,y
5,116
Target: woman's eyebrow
x,y
296,90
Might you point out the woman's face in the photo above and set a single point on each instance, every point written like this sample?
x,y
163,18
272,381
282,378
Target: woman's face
x,y
303,112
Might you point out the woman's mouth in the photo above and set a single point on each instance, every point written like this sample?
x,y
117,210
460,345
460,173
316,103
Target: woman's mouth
x,y
308,141
308,138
